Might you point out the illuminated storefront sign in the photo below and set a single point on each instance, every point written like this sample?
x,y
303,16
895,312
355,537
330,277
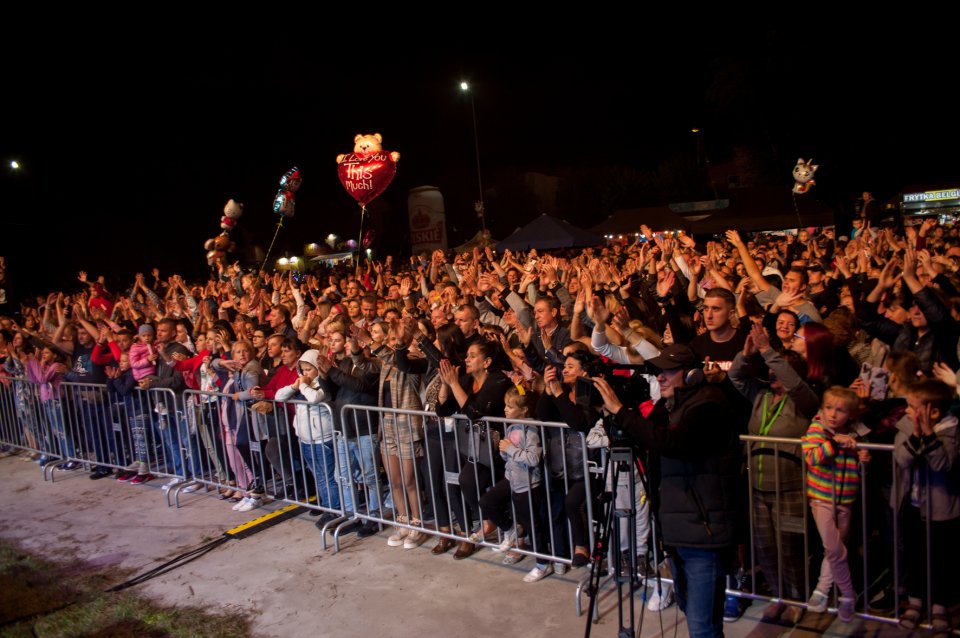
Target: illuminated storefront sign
x,y
932,196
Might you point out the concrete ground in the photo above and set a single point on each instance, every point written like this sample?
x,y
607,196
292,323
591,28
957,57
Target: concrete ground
x,y
292,587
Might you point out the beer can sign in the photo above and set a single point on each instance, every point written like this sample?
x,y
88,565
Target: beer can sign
x,y
427,219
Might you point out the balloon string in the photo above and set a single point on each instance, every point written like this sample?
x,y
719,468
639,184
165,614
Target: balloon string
x,y
272,241
797,209
363,211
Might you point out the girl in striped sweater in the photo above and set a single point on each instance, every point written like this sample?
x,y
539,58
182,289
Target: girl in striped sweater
x,y
833,482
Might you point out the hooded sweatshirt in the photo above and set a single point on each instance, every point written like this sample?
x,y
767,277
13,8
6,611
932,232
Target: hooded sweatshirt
x,y
312,423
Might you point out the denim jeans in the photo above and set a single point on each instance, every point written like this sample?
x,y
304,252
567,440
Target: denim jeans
x,y
700,579
360,463
173,444
98,430
321,461
62,436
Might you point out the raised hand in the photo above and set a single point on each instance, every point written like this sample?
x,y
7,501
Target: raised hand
x,y
621,320
734,238
787,299
525,334
598,312
405,285
449,373
943,372
551,381
610,400
887,279
761,340
665,284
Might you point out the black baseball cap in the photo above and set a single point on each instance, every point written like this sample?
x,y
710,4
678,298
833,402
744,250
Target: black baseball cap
x,y
675,356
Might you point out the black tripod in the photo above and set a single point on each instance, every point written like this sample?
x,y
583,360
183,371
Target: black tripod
x,y
620,461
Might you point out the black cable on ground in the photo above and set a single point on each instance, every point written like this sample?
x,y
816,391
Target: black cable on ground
x,y
240,532
170,565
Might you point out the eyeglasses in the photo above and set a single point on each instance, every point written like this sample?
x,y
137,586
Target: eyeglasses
x,y
799,336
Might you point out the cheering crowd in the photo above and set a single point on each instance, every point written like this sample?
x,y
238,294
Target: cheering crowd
x,y
685,345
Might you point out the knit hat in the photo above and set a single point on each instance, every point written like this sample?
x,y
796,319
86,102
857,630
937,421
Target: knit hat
x,y
146,329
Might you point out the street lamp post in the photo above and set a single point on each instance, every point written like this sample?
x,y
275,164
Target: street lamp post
x,y
465,87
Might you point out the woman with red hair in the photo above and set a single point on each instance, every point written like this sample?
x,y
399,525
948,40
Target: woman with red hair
x,y
825,364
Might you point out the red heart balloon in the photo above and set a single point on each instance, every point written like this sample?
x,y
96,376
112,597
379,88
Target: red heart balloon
x,y
366,176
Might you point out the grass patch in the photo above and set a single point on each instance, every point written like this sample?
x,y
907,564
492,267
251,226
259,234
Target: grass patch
x,y
40,598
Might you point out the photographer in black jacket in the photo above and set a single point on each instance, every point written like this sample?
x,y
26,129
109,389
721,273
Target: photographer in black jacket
x,y
693,429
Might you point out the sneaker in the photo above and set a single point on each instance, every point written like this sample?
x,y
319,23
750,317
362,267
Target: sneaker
x,y
538,573
139,479
845,608
324,518
369,528
171,483
249,503
125,476
396,539
732,609
43,460
193,487
509,540
560,568
69,466
512,558
96,475
479,537
660,601
414,539
817,602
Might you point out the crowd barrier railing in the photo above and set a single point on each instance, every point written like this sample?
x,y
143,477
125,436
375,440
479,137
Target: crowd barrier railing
x,y
283,450
428,474
784,543
458,461
85,425
24,424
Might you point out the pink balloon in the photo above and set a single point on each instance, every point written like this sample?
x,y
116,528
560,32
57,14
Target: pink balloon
x,y
366,177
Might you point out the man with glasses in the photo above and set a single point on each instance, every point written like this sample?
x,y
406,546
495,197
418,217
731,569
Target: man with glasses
x,y
259,339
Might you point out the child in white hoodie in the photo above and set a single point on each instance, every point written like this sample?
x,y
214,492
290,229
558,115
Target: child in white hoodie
x,y
314,428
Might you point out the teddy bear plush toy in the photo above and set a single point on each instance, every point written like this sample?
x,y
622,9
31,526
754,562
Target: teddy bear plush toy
x,y
218,247
365,145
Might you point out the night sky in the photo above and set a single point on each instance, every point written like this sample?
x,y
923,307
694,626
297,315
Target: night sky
x,y
131,145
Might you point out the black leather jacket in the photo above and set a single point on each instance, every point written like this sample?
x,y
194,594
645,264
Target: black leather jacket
x,y
700,465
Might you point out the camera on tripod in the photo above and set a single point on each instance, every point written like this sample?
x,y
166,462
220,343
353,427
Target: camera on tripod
x,y
630,386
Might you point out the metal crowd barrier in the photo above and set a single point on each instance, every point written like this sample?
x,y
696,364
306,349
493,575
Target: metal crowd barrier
x,y
338,470
259,454
459,460
102,429
22,422
877,562
93,427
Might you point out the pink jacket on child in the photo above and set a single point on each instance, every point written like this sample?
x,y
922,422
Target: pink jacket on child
x,y
140,363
